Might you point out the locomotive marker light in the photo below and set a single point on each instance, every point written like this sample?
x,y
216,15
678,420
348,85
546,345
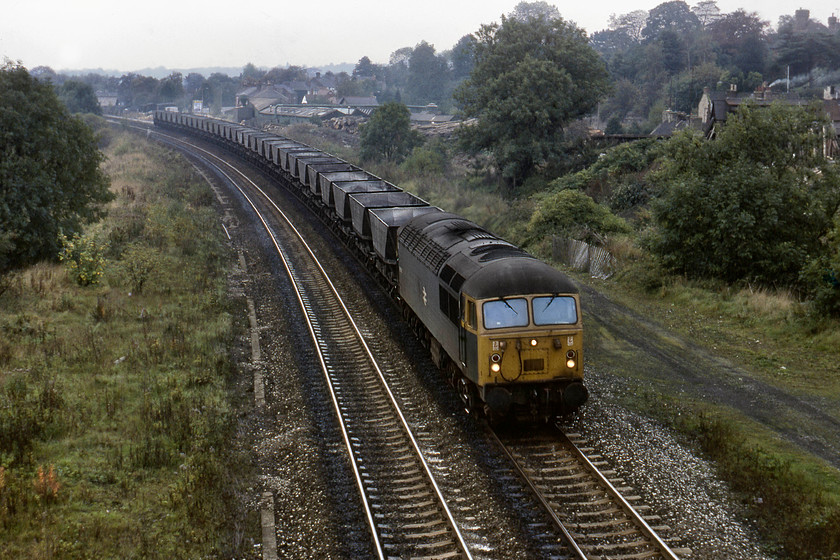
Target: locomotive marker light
x,y
570,359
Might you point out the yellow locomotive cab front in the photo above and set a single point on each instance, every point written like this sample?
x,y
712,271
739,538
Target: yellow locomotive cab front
x,y
531,341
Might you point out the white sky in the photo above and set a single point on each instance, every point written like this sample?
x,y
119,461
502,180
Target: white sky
x,y
125,36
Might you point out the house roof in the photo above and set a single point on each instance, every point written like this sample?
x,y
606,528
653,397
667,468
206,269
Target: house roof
x,y
302,112
359,101
427,117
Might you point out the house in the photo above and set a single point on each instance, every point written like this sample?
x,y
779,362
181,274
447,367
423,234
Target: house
x,y
715,106
426,117
106,99
672,122
289,114
358,102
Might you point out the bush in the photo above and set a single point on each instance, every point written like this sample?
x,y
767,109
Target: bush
x,y
83,257
571,213
431,159
751,205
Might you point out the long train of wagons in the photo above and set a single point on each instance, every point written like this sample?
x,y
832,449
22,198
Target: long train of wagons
x,y
503,326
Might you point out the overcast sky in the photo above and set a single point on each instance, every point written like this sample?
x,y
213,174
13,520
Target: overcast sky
x,y
125,36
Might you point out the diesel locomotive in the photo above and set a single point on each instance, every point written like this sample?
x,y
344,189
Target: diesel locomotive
x,y
503,326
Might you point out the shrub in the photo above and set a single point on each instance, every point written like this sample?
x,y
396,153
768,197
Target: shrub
x,y
573,214
83,257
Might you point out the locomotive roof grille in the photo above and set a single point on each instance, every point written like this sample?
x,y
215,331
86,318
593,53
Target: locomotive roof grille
x,y
469,230
502,252
446,274
426,250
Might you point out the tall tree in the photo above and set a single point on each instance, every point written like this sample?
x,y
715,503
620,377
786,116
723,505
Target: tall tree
x,y
364,68
194,84
50,180
531,79
707,12
171,87
525,11
674,16
251,75
427,74
463,57
741,40
631,23
388,134
79,97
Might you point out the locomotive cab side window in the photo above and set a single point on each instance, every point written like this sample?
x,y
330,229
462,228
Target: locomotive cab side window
x,y
503,313
555,310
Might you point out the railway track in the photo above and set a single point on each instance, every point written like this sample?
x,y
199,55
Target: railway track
x,y
585,504
407,514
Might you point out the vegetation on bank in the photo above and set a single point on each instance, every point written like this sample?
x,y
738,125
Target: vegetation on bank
x,y
117,405
50,177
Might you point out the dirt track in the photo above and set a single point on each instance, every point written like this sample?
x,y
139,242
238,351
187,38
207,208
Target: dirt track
x,y
628,345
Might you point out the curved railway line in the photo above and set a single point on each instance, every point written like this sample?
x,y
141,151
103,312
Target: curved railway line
x,y
407,513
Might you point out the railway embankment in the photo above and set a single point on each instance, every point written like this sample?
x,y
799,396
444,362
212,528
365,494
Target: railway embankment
x,y
119,401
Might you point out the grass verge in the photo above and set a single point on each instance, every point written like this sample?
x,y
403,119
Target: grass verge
x,y
793,497
117,401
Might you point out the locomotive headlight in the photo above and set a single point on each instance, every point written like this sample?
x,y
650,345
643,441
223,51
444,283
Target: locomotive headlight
x,y
495,368
570,359
533,342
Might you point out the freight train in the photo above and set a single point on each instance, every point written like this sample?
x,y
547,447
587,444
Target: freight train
x,y
503,326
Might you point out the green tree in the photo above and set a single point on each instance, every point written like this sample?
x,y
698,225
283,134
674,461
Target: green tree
x,y
531,79
674,16
79,97
364,68
463,57
751,205
741,40
50,180
427,74
251,75
388,134
171,88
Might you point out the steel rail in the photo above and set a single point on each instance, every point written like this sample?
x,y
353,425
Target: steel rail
x,y
628,508
570,540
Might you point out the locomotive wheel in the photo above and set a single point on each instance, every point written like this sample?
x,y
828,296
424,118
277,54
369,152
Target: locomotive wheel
x,y
467,393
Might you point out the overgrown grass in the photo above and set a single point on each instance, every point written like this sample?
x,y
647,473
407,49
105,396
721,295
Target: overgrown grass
x,y
794,499
116,411
769,332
